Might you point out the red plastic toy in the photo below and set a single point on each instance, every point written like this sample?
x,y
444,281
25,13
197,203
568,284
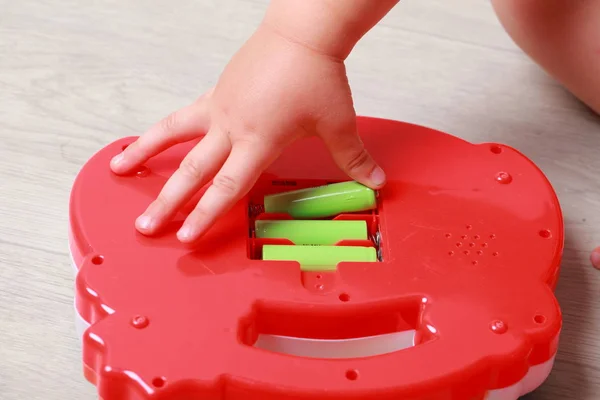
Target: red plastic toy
x,y
461,306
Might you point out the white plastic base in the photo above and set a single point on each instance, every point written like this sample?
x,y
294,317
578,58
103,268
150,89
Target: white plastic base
x,y
370,346
347,348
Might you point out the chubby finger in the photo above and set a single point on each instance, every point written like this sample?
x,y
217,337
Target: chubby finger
x,y
239,173
195,171
350,155
181,126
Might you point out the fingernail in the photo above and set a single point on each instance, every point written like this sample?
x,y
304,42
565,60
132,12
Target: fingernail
x,y
595,258
118,159
185,233
377,176
144,222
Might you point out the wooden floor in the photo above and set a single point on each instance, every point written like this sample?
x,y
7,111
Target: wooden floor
x,y
75,75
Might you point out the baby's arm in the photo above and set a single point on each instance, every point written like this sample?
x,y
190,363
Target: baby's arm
x,y
331,27
288,81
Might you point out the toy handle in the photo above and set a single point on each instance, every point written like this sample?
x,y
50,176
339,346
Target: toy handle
x,y
406,372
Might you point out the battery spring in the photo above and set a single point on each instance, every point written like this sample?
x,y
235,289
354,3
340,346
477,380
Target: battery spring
x,y
255,209
377,238
377,242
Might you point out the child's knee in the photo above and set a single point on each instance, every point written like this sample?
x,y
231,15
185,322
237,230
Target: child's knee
x,y
562,37
534,24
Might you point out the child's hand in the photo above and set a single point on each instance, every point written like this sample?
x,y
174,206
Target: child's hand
x,y
274,91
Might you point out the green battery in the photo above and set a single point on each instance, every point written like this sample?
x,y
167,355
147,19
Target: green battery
x,y
306,232
319,258
322,201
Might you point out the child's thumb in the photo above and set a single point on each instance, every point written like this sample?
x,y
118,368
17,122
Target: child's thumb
x,y
350,155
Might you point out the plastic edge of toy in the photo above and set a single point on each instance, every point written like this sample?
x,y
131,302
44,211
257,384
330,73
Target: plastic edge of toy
x,y
550,280
536,374
535,377
78,253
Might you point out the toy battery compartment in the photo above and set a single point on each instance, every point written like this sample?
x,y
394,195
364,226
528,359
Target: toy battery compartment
x,y
256,213
458,304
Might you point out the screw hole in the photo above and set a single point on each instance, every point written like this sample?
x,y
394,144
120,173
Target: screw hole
x,y
474,262
352,374
466,252
496,149
344,297
539,319
484,245
476,237
493,236
545,233
471,244
495,254
97,260
469,227
159,382
448,236
479,252
319,276
459,244
450,253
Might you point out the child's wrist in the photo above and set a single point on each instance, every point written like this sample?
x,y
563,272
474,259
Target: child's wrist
x,y
312,25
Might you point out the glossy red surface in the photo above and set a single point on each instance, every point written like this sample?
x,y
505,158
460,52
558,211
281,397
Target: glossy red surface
x,y
471,240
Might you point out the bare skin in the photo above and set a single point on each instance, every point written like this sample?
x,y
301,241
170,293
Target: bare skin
x,y
562,36
288,81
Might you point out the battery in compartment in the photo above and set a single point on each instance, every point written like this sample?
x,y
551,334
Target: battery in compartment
x,y
322,201
319,258
311,232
